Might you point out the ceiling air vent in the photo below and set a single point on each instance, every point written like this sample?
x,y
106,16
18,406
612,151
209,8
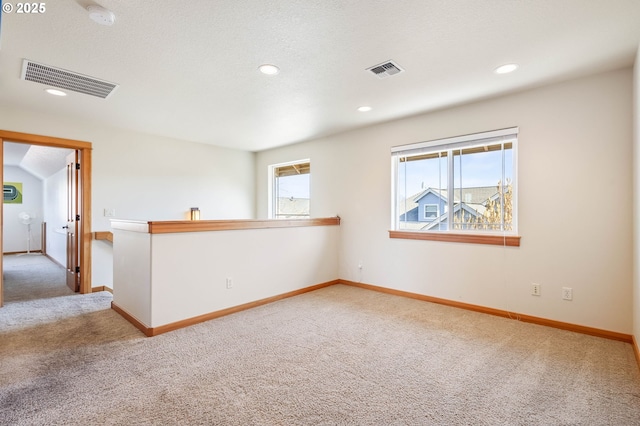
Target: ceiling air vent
x,y
385,69
63,79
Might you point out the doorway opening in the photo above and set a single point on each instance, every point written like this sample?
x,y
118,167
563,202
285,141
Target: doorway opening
x,y
77,224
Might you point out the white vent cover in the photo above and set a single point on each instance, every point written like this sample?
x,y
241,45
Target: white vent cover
x,y
63,79
385,69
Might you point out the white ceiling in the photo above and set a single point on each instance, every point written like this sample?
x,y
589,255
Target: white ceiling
x,y
40,161
188,69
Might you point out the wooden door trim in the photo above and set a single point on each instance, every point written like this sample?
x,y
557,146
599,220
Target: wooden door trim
x,y
31,139
85,238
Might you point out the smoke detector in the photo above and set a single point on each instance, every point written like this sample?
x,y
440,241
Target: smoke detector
x,y
101,15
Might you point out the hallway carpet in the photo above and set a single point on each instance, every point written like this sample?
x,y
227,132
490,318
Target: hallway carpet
x,y
31,277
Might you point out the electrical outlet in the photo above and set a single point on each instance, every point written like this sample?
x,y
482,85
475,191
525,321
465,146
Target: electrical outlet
x,y
360,265
109,212
536,289
567,293
229,282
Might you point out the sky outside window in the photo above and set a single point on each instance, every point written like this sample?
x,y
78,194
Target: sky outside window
x,y
296,186
478,169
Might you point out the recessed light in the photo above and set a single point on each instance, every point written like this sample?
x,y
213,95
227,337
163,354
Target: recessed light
x,y
364,108
269,69
55,92
505,69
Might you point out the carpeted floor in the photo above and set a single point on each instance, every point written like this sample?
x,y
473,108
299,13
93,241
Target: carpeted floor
x,y
30,277
336,356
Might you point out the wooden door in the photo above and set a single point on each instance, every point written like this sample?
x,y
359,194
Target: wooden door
x,y
73,253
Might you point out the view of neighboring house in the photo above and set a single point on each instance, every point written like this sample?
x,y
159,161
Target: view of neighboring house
x,y
292,208
473,208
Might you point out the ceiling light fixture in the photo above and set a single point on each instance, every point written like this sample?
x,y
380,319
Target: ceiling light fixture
x,y
55,92
101,15
364,108
269,69
505,69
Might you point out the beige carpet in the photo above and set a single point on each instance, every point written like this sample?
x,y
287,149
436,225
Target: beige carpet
x,y
30,277
336,356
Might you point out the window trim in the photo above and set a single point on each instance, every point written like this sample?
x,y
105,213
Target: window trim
x,y
500,237
458,237
271,193
432,145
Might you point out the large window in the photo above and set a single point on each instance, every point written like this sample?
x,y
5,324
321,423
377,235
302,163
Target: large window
x,y
462,184
289,190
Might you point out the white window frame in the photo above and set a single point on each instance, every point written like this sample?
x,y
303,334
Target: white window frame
x,y
425,217
271,192
508,135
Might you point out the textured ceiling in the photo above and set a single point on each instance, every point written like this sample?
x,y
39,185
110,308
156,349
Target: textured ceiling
x,y
188,70
40,161
14,153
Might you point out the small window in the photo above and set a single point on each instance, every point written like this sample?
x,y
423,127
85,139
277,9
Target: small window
x,y
430,211
465,183
289,190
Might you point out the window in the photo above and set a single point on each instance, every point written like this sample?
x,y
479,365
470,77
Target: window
x,y
461,184
430,211
289,190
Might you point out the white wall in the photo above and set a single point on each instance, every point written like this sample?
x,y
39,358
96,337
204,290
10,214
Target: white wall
x,y
575,148
165,278
55,214
14,235
636,199
261,262
132,274
148,177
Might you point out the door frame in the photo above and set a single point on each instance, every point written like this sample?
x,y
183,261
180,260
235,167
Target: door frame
x,y
85,235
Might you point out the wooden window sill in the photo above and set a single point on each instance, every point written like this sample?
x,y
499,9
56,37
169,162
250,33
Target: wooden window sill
x,y
497,240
